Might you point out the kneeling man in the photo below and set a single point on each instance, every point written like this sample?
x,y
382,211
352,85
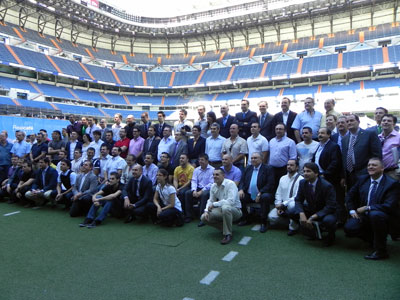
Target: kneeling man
x,y
223,207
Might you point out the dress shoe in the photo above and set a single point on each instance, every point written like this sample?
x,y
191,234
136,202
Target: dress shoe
x,y
377,255
188,220
227,239
201,224
243,223
263,228
129,219
94,224
291,232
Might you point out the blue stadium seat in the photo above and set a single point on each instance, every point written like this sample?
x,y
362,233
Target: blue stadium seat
x,y
130,77
5,55
101,73
158,79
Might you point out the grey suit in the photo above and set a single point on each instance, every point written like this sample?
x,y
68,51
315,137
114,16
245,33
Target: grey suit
x,y
182,148
89,187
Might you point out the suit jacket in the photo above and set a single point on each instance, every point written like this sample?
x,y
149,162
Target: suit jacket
x,y
267,130
195,151
50,178
265,179
244,129
278,118
367,145
373,129
387,195
89,186
330,161
129,130
143,131
224,130
182,148
324,202
145,191
153,148
68,148
159,132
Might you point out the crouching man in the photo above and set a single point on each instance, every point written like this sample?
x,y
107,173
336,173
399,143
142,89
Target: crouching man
x,y
223,207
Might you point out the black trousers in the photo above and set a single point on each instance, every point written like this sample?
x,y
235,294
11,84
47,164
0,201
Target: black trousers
x,y
190,201
327,222
81,206
168,217
371,227
266,200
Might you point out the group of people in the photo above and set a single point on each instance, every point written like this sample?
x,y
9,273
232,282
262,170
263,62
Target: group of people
x,y
317,171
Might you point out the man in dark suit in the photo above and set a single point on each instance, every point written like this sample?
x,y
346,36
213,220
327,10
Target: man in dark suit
x,y
161,124
379,113
286,117
357,148
245,118
342,131
145,126
328,158
178,148
151,143
83,190
265,121
196,146
257,186
72,145
315,202
136,194
225,121
45,182
372,204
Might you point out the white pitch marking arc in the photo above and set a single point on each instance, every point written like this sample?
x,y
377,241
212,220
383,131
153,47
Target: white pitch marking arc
x,y
12,213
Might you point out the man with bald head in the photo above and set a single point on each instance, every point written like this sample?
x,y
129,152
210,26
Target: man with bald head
x,y
265,121
329,105
225,121
136,194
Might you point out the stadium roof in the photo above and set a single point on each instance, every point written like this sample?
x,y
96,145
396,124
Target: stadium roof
x,y
171,8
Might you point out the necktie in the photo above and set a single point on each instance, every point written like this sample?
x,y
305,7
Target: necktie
x,y
253,185
244,115
224,121
262,120
311,191
350,153
372,195
379,129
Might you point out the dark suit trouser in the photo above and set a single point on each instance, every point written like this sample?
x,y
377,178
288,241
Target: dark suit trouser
x,y
371,227
190,201
181,196
137,211
328,223
351,178
278,173
81,206
265,201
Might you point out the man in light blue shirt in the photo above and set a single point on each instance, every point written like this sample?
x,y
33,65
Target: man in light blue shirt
x,y
282,149
309,117
21,148
166,143
214,145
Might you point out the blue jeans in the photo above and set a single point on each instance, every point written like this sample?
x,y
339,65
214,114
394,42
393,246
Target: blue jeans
x,y
103,214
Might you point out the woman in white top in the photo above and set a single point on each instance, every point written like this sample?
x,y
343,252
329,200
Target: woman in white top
x,y
166,207
86,143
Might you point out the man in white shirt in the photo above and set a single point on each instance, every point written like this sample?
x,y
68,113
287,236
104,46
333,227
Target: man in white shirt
x,y
223,205
115,164
284,198
166,143
257,143
96,143
92,127
307,148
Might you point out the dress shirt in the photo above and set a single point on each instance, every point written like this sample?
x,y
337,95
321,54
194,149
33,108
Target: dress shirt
x,y
214,148
340,138
76,165
285,116
318,155
203,125
96,147
282,195
91,129
388,143
178,125
136,146
114,164
235,148
259,144
151,172
331,112
126,174
202,178
165,146
21,148
281,151
304,119
5,155
72,146
101,164
115,129
234,173
224,194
